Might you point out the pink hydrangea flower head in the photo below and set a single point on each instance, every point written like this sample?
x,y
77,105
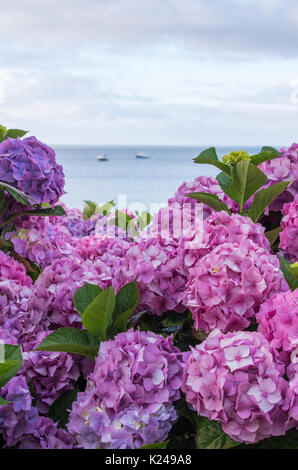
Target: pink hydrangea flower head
x,y
12,269
129,397
161,274
60,281
227,287
278,322
289,233
234,379
202,184
283,168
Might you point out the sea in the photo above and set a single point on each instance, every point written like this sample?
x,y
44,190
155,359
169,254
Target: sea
x,y
132,182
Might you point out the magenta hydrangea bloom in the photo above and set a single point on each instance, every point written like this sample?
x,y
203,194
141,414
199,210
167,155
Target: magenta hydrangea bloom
x,y
289,233
46,435
219,228
202,184
161,274
278,322
227,287
61,280
234,379
51,374
283,168
110,250
12,269
30,166
129,397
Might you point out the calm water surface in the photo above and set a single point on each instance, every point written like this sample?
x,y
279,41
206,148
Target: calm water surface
x,y
148,181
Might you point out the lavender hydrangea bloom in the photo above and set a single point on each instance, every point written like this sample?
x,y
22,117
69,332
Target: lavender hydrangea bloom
x,y
289,233
278,322
61,280
46,435
50,373
227,287
40,240
129,396
30,166
283,168
234,379
18,418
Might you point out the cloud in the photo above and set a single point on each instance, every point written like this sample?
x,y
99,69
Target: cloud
x,y
226,26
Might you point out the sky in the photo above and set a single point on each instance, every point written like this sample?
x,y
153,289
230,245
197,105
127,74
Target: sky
x,y
159,72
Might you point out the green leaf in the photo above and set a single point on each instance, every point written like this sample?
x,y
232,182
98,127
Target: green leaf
x,y
210,200
246,180
4,402
2,197
54,211
272,235
13,362
97,317
294,270
71,340
285,266
89,209
209,157
105,209
143,220
18,195
211,436
267,153
14,133
156,445
3,132
127,300
60,409
264,198
84,296
224,182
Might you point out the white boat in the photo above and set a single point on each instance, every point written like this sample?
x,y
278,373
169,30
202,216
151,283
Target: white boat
x,y
102,157
142,155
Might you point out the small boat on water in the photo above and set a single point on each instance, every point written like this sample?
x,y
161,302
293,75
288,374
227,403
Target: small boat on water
x,y
142,155
102,157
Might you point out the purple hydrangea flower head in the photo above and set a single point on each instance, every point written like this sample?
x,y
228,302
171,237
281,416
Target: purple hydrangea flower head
x,y
40,240
59,281
30,166
50,373
46,435
278,322
18,418
289,233
283,168
227,287
235,379
21,312
129,397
